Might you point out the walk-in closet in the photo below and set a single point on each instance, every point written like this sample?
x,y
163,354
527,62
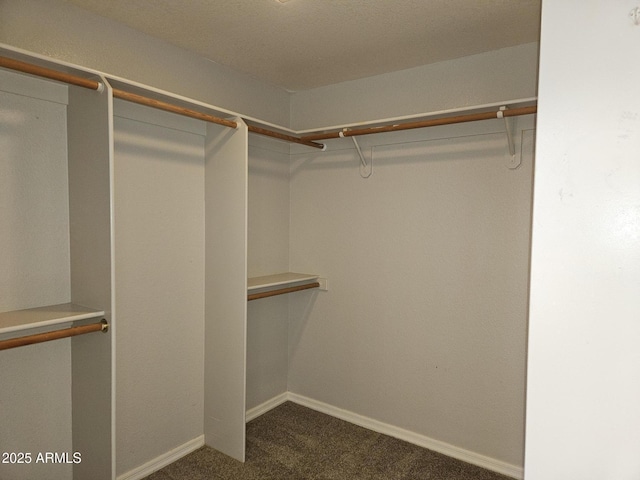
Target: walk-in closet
x,y
184,248
208,222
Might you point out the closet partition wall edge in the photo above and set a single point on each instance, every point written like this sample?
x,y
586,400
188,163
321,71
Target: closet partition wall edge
x,y
90,152
226,186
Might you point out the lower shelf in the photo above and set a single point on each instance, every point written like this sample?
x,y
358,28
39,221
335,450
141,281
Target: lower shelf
x,y
279,284
19,320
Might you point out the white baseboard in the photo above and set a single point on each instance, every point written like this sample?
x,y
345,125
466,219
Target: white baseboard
x,y
270,404
163,460
489,463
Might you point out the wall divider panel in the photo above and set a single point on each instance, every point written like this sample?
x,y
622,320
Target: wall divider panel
x,y
90,133
226,184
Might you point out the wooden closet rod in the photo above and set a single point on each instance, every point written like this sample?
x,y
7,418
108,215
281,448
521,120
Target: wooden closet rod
x,y
142,100
95,85
308,140
169,107
281,291
132,97
423,123
48,73
55,335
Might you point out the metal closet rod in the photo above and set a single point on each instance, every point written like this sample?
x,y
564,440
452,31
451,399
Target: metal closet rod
x,y
472,117
102,326
142,100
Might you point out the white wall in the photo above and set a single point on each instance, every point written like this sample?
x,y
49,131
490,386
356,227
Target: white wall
x,y
424,323
34,270
60,30
34,231
159,248
505,74
268,253
583,419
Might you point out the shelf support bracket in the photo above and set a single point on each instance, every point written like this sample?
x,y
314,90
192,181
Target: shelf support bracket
x,y
366,169
514,161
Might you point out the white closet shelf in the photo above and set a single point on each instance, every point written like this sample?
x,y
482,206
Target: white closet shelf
x,y
19,320
287,279
269,285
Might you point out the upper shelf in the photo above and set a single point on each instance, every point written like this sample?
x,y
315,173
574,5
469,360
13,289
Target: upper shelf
x,y
18,320
270,285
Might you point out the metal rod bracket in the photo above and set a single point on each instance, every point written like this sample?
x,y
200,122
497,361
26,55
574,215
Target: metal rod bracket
x,y
366,168
514,161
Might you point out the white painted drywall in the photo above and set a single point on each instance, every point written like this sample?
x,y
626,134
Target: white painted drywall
x,y
34,270
34,198
583,393
28,424
268,253
60,30
159,245
424,323
505,74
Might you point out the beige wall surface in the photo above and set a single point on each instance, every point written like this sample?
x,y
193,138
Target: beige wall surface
x,y
34,271
28,375
34,198
505,74
159,248
424,324
268,240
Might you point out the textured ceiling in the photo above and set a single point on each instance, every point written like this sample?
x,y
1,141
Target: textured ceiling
x,y
303,44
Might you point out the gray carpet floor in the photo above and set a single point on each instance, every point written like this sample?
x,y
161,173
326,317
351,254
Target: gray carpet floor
x,y
292,442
